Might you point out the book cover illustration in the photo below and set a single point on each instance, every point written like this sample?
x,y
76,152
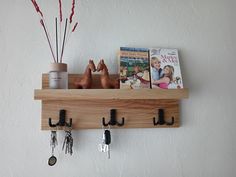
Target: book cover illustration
x,y
134,68
165,69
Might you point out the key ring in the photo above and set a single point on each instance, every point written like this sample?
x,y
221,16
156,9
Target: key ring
x,y
53,143
68,141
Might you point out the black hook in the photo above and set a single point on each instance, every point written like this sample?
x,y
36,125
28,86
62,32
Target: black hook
x,y
62,120
113,120
161,119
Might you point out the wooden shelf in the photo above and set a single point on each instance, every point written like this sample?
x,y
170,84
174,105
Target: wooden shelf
x,y
88,107
110,94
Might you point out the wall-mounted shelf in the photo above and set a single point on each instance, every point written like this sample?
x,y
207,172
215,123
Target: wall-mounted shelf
x,y
88,107
107,94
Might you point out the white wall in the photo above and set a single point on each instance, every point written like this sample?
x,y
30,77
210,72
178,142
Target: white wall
x,y
203,31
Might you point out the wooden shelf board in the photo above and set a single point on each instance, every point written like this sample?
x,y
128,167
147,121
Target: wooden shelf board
x,y
88,114
107,94
86,107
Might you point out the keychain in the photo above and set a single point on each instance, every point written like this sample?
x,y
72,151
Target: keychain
x,y
106,141
68,143
53,143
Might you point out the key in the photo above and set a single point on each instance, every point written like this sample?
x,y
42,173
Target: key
x,y
68,143
103,147
71,144
64,143
108,153
107,137
53,141
107,141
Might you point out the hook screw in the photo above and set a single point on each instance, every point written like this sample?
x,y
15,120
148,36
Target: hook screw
x,y
113,120
161,119
62,120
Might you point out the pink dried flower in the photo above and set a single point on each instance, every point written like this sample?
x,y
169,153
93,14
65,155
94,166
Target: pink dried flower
x,y
74,27
72,10
60,7
37,7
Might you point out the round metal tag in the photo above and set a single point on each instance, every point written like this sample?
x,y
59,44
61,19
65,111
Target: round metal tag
x,y
52,160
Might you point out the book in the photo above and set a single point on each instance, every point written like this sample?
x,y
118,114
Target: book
x,y
134,68
165,69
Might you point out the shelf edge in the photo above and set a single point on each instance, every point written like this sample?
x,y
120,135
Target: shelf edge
x,y
109,94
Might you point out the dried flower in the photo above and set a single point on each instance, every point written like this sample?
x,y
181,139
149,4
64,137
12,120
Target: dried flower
x,y
65,38
74,26
60,9
72,10
37,7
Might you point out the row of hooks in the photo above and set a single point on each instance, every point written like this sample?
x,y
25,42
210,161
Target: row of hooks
x,y
113,120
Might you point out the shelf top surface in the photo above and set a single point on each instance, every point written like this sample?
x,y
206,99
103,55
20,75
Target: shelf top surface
x,y
103,94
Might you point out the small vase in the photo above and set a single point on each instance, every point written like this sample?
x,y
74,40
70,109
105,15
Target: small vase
x,y
58,76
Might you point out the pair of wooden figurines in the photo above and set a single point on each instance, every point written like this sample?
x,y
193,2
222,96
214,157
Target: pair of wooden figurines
x,y
86,81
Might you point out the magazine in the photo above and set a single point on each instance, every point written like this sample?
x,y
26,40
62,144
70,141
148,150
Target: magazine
x,y
134,68
165,69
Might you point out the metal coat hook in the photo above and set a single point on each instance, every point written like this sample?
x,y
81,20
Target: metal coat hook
x,y
113,120
62,120
161,119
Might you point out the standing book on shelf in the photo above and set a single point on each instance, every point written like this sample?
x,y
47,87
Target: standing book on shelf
x,y
134,68
165,69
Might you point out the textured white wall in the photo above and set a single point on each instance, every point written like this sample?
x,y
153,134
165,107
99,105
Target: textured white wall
x,y
203,31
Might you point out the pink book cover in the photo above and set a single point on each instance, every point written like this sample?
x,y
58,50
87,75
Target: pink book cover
x,y
165,69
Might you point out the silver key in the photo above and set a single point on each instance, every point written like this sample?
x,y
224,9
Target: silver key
x,y
53,141
108,152
68,143
107,141
103,147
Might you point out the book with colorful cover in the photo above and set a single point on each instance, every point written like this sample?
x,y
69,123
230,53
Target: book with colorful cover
x,y
134,68
165,69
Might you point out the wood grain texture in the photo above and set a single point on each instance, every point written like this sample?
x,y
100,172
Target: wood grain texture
x,y
104,94
87,114
87,107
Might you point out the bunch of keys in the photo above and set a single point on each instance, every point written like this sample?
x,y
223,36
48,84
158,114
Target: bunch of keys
x,y
53,143
106,141
68,143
